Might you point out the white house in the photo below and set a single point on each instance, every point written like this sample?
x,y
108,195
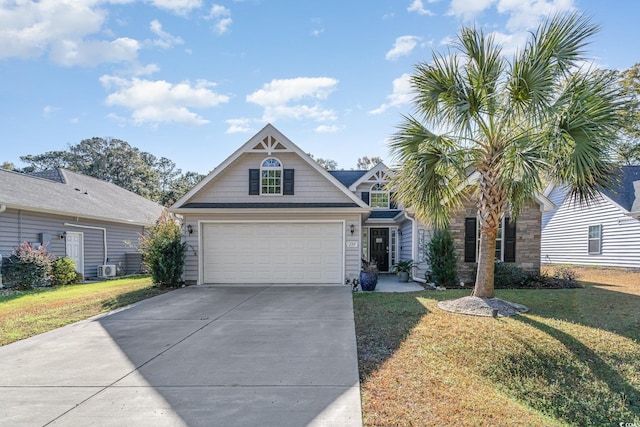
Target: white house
x,y
606,232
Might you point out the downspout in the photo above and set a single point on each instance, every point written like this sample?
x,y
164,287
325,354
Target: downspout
x,y
3,207
414,231
104,235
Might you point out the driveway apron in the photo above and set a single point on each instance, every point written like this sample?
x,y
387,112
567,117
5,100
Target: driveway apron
x,y
198,356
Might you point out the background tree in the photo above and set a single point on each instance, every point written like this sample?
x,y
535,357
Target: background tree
x,y
328,164
628,149
116,161
366,163
513,123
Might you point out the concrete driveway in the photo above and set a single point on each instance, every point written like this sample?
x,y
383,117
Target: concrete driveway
x,y
197,356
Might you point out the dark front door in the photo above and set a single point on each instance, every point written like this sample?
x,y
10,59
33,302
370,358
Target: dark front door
x,y
379,247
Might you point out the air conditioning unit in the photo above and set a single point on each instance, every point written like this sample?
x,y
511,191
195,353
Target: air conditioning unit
x,y
106,270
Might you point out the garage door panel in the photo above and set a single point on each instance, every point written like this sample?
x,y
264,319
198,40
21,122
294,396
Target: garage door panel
x,y
272,252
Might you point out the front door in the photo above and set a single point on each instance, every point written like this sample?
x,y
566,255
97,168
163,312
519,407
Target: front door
x,y
75,249
379,247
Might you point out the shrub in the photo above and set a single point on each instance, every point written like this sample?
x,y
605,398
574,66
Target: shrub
x,y
163,251
63,272
507,275
27,267
442,258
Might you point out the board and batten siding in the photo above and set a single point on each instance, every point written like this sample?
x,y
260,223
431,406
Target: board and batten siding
x,y
565,233
17,226
352,254
232,184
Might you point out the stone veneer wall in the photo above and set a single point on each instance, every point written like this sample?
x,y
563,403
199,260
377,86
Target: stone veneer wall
x,y
528,233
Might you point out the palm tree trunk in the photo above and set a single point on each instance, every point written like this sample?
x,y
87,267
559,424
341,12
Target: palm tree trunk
x,y
486,256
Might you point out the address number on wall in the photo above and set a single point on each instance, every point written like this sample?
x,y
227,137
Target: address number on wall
x,y
352,244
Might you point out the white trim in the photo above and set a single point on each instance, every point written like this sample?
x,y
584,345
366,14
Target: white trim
x,y
271,168
202,222
104,235
599,239
371,172
79,268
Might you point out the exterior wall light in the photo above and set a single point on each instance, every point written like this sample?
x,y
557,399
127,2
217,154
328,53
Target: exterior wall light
x,y
352,229
190,229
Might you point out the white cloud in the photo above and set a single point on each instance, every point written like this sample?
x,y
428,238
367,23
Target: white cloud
x,y
180,7
418,7
160,101
221,17
327,129
92,52
403,46
402,94
525,15
241,125
296,98
48,110
468,10
285,90
165,40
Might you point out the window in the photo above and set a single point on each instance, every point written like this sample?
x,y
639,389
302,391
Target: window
x,y
379,197
271,177
595,239
505,240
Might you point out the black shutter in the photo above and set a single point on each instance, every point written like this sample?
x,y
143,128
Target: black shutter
x,y
509,240
254,182
392,201
365,197
287,182
470,230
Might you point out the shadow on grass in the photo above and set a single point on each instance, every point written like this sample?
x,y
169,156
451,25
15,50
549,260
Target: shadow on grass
x,y
582,390
378,340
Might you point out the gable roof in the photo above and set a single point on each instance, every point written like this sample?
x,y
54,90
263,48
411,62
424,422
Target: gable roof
x,y
269,140
63,192
376,174
624,194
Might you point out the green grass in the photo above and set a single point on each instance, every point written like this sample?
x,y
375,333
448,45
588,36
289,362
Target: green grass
x,y
574,359
27,313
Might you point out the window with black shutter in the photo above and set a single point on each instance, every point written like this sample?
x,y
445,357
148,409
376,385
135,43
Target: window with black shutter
x,y
287,182
470,239
254,182
509,240
365,197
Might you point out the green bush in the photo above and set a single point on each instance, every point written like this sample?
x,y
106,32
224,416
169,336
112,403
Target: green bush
x,y
163,251
442,258
507,275
63,272
27,267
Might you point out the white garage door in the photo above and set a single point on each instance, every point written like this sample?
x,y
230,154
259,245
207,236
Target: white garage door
x,y
272,252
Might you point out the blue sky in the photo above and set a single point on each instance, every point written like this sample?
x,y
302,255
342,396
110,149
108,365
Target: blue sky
x,y
192,80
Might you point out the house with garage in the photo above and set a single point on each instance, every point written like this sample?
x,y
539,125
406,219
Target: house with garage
x,y
270,214
605,232
86,219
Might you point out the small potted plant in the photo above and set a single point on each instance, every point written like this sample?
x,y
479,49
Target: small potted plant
x,y
369,275
403,268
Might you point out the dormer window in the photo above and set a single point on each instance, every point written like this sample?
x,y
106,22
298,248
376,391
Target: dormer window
x,y
271,177
379,197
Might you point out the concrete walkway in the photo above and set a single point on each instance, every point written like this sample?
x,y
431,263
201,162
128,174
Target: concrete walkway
x,y
197,356
390,283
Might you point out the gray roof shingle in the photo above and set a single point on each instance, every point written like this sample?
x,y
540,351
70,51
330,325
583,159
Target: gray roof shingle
x,y
69,193
347,178
624,193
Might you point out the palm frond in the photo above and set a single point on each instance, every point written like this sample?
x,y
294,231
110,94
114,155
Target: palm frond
x,y
432,172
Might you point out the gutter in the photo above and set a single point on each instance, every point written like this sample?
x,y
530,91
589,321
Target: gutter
x,y
104,236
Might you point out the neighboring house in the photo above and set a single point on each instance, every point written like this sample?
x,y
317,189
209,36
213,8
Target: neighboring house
x,y
270,214
605,232
77,216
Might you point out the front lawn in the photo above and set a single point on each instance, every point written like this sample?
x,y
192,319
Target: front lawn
x,y
24,314
572,360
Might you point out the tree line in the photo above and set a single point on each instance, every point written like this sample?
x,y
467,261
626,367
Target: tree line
x,y
116,161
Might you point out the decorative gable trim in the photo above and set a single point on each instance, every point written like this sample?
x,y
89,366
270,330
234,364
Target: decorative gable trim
x,y
378,174
268,140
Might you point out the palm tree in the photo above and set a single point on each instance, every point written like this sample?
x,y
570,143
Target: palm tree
x,y
516,124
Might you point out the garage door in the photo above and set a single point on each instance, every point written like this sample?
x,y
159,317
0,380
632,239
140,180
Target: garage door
x,y
272,252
